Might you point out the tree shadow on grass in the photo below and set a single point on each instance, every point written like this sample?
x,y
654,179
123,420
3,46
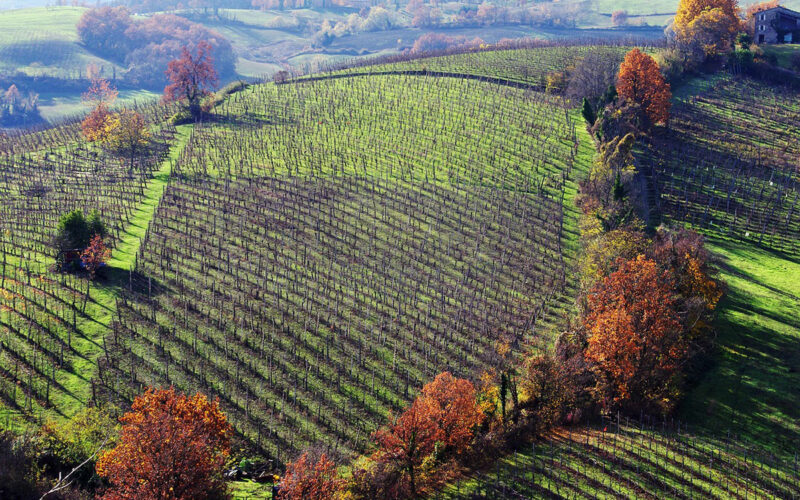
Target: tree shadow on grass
x,y
753,389
124,281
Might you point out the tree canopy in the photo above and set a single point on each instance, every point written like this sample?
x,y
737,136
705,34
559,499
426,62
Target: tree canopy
x,y
171,446
641,82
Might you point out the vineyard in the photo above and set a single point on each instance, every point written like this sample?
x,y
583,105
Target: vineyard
x,y
52,324
729,163
326,244
528,66
729,168
348,242
623,459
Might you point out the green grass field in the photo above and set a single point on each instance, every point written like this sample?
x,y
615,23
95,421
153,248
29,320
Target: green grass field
x,y
44,41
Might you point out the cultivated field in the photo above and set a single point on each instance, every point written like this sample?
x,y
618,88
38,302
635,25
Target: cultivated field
x,y
349,241
526,66
729,168
53,324
635,460
325,246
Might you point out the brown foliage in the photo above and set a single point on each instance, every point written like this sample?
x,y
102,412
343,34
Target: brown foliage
x,y
191,78
634,336
171,446
548,393
682,254
309,478
619,17
640,81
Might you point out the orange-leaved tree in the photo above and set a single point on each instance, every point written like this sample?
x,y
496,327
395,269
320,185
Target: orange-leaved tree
x,y
712,23
191,78
310,478
95,255
411,439
171,446
634,335
457,407
640,81
443,418
100,97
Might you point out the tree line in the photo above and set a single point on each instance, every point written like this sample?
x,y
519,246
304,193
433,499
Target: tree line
x,y
145,46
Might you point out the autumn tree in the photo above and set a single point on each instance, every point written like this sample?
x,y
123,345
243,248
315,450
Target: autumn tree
x,y
456,407
310,478
682,254
171,446
443,417
95,255
547,393
127,135
709,24
410,439
755,8
192,78
640,81
634,336
99,98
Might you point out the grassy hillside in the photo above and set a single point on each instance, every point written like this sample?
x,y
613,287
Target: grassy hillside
x,y
44,41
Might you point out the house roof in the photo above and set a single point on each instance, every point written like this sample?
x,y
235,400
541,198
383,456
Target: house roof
x,y
783,9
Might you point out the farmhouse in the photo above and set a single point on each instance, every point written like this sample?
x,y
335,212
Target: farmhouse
x,y
776,25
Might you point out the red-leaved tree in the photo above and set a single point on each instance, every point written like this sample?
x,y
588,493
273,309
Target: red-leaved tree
x,y
171,447
411,439
443,418
95,255
309,478
191,78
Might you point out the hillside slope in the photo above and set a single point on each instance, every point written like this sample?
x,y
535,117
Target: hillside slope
x,y
727,166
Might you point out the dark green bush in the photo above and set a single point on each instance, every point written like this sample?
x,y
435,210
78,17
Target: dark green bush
x,y
75,230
